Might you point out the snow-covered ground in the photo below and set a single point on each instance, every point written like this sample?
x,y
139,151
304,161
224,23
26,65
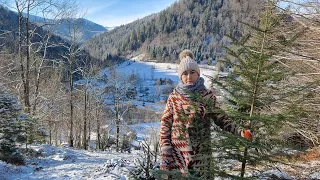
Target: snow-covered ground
x,y
49,162
144,130
64,163
70,163
67,163
154,70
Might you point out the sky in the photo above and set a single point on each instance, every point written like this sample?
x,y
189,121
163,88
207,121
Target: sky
x,y
112,13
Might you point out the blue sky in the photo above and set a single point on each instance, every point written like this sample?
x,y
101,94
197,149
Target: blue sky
x,y
117,12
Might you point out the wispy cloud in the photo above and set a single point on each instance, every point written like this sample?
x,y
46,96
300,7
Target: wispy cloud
x,y
95,7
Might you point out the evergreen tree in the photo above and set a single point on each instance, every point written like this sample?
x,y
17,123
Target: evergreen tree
x,y
10,132
31,130
252,89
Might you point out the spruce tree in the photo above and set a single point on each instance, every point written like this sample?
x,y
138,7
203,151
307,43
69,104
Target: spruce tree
x,y
254,85
10,130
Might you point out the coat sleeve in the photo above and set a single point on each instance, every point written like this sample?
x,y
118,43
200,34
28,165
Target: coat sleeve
x,y
165,136
223,121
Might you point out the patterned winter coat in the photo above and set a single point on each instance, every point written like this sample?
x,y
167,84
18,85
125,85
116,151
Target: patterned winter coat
x,y
185,131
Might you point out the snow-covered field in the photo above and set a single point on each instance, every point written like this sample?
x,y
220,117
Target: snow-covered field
x,y
160,70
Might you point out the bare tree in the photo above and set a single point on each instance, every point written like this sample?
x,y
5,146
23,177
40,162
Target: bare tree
x,y
303,58
86,87
33,41
58,10
116,89
73,56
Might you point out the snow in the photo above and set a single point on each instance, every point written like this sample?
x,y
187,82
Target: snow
x,y
315,175
68,163
143,129
148,70
279,173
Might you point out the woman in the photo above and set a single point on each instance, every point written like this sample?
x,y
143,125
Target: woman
x,y
185,124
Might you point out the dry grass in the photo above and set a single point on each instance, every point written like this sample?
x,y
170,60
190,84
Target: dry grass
x,y
310,155
301,165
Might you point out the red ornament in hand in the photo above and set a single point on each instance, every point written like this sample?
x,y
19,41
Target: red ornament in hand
x,y
246,134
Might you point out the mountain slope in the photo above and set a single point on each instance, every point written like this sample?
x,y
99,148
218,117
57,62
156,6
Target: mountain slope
x,y
197,25
10,28
87,29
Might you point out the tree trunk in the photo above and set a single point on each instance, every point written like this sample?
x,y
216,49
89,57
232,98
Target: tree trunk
x,y
117,125
56,135
118,131
50,137
71,104
37,75
89,120
27,70
148,161
20,34
84,136
78,136
98,127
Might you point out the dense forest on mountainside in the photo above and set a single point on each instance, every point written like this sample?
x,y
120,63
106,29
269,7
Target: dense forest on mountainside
x,y
197,25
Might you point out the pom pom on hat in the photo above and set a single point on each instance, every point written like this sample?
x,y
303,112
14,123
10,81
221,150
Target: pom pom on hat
x,y
187,63
186,53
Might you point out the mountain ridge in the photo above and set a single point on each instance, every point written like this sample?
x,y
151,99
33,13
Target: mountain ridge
x,y
88,28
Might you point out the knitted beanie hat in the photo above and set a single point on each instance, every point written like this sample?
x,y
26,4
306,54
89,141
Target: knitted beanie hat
x,y
187,63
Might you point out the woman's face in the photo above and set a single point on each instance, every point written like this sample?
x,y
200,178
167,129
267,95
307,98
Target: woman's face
x,y
189,77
